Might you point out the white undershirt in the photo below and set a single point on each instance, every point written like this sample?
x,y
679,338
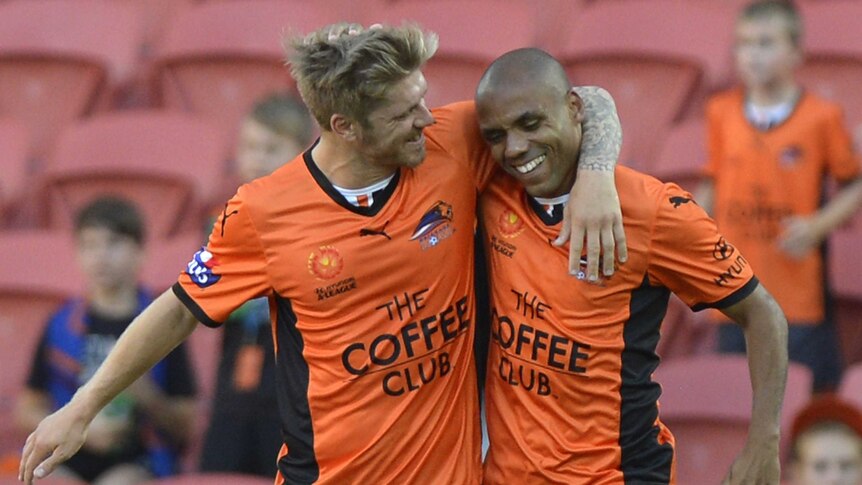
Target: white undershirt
x,y
765,117
363,197
549,204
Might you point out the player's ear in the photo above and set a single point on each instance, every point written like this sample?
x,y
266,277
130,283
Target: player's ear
x,y
343,126
575,105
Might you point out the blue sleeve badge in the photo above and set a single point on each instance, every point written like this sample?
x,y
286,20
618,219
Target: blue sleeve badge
x,y
200,269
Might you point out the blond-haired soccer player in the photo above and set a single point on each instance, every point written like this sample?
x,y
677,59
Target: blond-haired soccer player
x,y
363,246
570,395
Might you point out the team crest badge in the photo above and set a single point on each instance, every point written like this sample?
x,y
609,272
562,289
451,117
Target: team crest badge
x,y
435,225
201,269
790,156
325,262
510,224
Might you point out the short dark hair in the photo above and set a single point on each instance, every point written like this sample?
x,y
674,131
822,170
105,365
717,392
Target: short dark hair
x,y
114,213
785,9
285,115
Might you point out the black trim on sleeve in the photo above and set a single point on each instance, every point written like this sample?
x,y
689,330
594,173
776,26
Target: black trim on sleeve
x,y
193,307
732,299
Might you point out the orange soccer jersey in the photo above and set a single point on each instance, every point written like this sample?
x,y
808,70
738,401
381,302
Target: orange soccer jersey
x,y
570,398
763,177
372,311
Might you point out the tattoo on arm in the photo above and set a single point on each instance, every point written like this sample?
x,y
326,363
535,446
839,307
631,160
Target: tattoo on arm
x,y
602,133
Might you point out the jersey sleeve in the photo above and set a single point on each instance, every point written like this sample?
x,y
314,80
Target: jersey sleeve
x,y
456,131
713,141
691,258
229,270
843,163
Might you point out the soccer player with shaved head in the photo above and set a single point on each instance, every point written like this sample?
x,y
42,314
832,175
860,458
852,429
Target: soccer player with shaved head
x,y
570,395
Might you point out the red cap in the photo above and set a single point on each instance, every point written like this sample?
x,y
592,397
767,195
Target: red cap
x,y
826,408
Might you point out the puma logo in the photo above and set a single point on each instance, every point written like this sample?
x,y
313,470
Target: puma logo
x,y
225,215
678,201
366,231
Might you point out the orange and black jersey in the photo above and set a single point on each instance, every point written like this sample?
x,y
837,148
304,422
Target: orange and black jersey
x,y
372,311
763,177
570,398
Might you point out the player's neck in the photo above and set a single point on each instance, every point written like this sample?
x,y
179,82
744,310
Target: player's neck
x,y
772,94
117,302
344,167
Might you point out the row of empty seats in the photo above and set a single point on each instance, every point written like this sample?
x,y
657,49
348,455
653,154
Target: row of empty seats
x,y
215,58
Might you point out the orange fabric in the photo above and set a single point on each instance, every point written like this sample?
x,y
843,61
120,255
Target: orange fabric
x,y
384,308
561,346
762,177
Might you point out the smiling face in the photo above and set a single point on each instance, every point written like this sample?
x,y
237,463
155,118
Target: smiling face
x,y
392,135
534,131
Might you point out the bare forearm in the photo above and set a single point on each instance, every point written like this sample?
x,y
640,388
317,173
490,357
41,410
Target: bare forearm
x,y
839,209
765,330
152,335
602,133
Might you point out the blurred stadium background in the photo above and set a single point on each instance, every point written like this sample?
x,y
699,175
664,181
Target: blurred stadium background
x,y
143,98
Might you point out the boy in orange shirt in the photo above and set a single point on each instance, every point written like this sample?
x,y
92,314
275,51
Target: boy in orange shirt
x,y
771,144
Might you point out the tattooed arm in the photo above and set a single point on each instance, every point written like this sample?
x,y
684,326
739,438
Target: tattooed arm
x,y
597,217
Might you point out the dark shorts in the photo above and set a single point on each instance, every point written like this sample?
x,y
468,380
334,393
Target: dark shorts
x,y
89,466
242,442
815,346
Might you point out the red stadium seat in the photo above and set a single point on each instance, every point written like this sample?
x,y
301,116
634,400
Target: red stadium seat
x,y
468,40
684,333
851,385
57,58
37,273
167,258
218,58
164,162
706,403
845,268
653,73
682,155
14,164
833,53
211,478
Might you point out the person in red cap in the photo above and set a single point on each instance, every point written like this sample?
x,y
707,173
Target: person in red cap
x,y
827,444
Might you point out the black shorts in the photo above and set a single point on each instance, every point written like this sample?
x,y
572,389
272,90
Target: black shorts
x,y
242,442
89,466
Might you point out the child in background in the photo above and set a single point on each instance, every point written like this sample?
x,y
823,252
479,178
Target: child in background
x,y
771,145
139,434
827,444
244,435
